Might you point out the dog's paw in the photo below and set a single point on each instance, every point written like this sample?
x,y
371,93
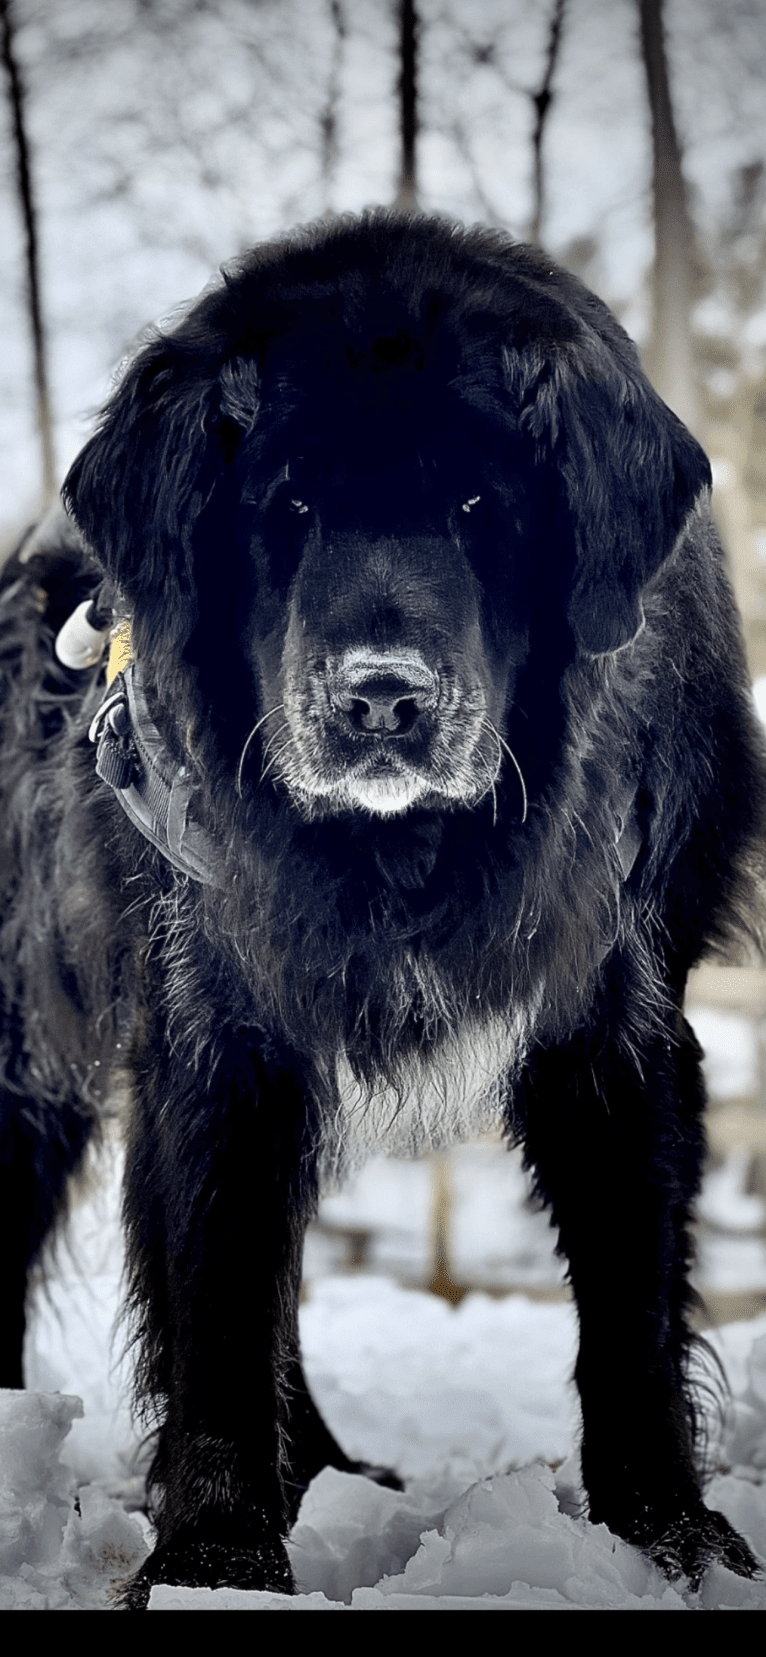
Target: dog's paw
x,y
204,1564
699,1539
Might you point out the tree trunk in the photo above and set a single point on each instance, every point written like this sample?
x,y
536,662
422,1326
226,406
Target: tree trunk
x,y
27,205
670,359
406,199
542,100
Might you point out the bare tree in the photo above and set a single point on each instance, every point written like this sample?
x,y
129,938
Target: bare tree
x,y
329,118
670,359
24,187
542,100
406,200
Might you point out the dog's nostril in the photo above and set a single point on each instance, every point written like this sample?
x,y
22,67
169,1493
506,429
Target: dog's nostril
x,y
377,701
395,715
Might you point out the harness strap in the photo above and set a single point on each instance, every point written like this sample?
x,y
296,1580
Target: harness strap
x,y
153,790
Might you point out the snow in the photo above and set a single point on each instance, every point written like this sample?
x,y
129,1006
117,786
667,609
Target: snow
x,y
472,1404
759,687
459,1535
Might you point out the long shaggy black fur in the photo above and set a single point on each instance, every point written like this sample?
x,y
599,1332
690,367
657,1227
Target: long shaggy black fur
x,y
426,597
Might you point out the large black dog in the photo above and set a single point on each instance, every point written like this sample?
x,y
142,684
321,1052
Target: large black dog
x,y
432,773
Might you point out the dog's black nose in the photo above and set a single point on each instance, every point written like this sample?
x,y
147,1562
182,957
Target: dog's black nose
x,y
382,710
383,698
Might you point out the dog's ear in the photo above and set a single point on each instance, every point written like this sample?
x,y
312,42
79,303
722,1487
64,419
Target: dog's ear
x,y
139,486
629,474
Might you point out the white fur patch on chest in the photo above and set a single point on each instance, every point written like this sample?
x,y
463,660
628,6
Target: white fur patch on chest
x,y
453,1093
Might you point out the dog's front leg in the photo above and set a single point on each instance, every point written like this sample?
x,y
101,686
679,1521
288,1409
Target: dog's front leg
x,y
616,1140
219,1188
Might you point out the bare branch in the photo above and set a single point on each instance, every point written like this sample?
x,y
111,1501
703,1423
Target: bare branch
x,y
489,210
27,205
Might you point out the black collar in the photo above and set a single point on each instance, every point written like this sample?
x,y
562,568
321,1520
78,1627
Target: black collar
x,y
153,790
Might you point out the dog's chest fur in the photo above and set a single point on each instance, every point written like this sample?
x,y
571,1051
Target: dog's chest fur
x,y
445,1095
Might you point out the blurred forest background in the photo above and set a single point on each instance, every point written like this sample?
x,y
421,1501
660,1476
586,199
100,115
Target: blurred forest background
x,y
145,141
163,136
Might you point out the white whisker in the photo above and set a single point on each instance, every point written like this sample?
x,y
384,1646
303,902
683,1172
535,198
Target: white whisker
x,y
248,741
502,744
276,736
275,758
490,788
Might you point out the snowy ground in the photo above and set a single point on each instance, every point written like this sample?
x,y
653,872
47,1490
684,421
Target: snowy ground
x,y
471,1404
450,1397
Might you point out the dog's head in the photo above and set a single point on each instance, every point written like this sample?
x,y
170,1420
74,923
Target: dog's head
x,y
371,479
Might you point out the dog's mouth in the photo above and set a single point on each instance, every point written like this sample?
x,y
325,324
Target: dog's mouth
x,y
382,732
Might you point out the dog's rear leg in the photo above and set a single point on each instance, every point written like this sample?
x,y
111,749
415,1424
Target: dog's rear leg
x,y
219,1189
41,1144
617,1144
312,1446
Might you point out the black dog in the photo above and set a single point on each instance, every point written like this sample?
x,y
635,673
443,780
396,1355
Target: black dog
x,y
433,772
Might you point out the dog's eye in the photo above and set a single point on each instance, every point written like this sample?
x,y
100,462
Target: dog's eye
x,y
473,500
299,506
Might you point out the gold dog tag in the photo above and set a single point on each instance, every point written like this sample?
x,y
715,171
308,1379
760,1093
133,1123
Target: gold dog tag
x,y
120,651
